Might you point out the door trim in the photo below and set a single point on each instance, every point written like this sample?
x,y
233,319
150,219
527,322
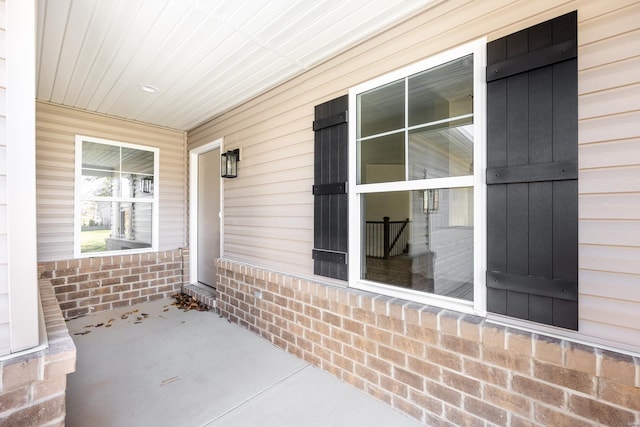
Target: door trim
x,y
193,206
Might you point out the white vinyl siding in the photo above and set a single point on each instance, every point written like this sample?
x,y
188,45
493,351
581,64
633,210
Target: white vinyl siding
x,y
5,340
55,133
18,270
609,168
269,208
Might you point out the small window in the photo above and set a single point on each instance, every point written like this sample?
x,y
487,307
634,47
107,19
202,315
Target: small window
x,y
116,197
418,194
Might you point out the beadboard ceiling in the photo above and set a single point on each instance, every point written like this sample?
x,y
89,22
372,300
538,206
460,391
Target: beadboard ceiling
x,y
203,56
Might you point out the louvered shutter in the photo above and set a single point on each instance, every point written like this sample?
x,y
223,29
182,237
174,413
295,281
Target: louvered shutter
x,y
532,186
331,222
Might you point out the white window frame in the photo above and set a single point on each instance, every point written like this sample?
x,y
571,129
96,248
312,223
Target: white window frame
x,y
477,181
77,220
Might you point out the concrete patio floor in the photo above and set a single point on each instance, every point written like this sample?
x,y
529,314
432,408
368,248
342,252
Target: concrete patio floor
x,y
156,365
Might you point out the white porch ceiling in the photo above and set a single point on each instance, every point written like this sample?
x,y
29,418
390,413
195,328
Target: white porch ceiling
x,y
204,56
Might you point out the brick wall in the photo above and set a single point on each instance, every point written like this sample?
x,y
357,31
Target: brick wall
x,y
87,285
439,366
33,385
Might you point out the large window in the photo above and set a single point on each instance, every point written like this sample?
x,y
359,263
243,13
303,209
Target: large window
x,y
116,197
417,190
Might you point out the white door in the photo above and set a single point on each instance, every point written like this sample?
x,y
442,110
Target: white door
x,y
208,216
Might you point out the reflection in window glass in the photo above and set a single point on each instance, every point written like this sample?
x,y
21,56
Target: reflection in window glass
x,y
442,150
381,159
117,197
381,109
421,240
441,92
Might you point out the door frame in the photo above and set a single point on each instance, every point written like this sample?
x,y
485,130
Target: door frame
x,y
193,206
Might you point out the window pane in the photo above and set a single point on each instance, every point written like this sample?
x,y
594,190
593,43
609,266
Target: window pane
x,y
138,161
98,183
382,159
381,109
441,92
108,226
442,150
100,156
137,186
426,243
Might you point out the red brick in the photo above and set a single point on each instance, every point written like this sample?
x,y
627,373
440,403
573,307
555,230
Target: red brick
x,y
460,382
425,401
560,417
507,400
443,393
581,358
353,326
486,411
392,355
112,281
537,390
408,346
470,328
462,418
365,344
408,408
569,378
444,358
422,334
395,387
38,414
487,373
493,336
343,362
64,289
379,365
378,335
548,349
507,359
426,369
449,322
354,354
367,374
332,345
618,367
619,394
601,412
19,371
409,378
14,398
390,324
364,316
378,393
341,335
460,346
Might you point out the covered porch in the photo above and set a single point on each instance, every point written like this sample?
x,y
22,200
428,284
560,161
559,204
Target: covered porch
x,y
156,364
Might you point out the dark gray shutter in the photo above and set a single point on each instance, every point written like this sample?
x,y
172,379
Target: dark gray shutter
x,y
331,222
532,185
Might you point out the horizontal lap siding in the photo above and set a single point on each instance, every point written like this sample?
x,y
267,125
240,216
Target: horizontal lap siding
x,y
271,125
275,131
56,128
609,171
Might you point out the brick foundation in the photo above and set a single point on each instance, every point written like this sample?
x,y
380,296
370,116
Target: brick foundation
x,y
439,366
33,385
87,285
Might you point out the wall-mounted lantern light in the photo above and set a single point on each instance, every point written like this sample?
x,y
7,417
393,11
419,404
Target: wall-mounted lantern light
x,y
431,201
146,184
229,163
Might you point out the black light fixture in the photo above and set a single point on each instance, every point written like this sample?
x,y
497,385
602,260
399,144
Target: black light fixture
x,y
146,184
229,163
431,201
